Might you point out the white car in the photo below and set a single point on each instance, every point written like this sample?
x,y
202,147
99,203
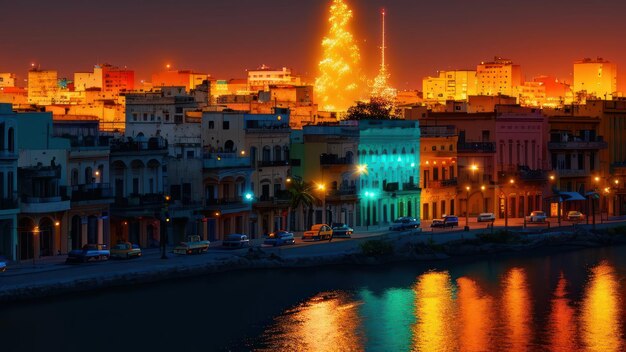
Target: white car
x,y
489,217
537,216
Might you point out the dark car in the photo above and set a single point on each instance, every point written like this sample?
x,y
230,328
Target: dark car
x,y
446,221
235,240
404,223
279,238
3,265
341,230
88,252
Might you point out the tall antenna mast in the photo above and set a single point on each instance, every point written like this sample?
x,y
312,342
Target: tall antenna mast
x,y
382,48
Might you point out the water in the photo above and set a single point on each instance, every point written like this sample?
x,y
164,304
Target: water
x,y
561,302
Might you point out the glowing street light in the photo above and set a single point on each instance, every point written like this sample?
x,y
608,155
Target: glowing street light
x,y
361,169
467,188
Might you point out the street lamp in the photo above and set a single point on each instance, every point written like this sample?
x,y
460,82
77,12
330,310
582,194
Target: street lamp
x,y
322,189
35,233
558,210
467,188
506,207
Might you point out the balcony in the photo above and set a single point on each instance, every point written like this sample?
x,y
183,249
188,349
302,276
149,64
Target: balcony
x,y
152,145
8,155
151,200
271,163
578,145
44,204
226,205
573,173
9,203
476,147
453,182
334,159
89,192
283,198
407,186
225,160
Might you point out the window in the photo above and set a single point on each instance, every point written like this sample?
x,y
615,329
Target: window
x,y
226,125
211,125
190,154
145,116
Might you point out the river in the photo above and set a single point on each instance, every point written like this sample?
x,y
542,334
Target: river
x,y
572,301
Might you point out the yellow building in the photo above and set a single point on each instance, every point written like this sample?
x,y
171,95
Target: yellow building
x,y
532,94
7,80
438,166
499,76
450,85
596,78
264,76
42,86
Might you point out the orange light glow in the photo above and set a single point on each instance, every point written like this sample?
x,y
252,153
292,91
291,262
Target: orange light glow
x,y
435,328
562,323
601,318
326,322
475,319
516,307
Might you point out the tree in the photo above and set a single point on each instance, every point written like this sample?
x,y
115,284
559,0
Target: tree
x,y
340,81
301,194
376,109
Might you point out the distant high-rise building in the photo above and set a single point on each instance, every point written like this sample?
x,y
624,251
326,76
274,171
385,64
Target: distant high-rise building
x,y
597,78
499,76
450,85
116,80
264,76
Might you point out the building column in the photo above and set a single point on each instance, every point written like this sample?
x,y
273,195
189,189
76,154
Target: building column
x,y
83,230
100,231
205,231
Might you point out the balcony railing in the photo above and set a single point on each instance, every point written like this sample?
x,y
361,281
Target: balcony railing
x,y
225,160
476,147
93,191
269,163
144,200
573,173
343,191
223,201
452,182
577,145
334,159
135,146
408,186
9,203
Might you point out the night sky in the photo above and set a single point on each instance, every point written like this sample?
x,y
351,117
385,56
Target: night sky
x,y
226,37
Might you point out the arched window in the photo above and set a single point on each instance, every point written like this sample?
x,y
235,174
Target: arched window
x,y
277,153
11,140
349,157
229,146
286,151
266,154
74,180
88,176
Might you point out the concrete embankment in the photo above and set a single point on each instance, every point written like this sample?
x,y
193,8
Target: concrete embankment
x,y
381,250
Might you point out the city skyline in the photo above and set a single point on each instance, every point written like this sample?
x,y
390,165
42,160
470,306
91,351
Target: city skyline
x,y
78,36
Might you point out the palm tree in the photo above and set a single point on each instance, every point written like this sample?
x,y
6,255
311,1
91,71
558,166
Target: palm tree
x,y
301,194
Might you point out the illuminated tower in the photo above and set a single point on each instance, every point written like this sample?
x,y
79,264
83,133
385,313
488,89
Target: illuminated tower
x,y
380,87
339,82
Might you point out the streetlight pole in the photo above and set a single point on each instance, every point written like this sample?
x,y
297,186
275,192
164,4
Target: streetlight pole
x,y
558,208
467,188
506,207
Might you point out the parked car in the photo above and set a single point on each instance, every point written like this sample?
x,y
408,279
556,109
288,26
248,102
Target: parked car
x,y
575,215
3,265
537,216
88,252
318,232
193,245
446,221
342,230
490,217
404,223
235,240
279,238
125,250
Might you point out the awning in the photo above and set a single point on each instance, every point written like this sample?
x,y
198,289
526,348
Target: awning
x,y
568,196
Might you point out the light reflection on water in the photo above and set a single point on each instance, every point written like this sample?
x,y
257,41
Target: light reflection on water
x,y
442,313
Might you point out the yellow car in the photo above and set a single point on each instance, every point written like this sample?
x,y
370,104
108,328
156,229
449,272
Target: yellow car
x,y
318,232
125,250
